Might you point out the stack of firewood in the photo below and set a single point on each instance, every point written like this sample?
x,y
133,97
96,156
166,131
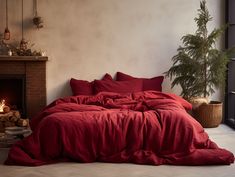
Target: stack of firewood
x,y
11,118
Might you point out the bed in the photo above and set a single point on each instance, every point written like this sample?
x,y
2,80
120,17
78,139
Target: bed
x,y
142,127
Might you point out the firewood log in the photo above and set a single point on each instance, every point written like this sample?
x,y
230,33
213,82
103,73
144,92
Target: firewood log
x,y
9,124
23,122
16,114
13,119
2,127
6,109
6,116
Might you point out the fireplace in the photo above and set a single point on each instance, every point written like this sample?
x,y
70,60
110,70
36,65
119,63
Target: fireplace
x,y
12,90
23,83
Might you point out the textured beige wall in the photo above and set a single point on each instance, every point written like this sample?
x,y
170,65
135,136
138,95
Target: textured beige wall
x,y
87,38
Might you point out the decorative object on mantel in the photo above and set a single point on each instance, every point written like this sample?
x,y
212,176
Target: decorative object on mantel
x,y
24,50
9,52
37,20
4,47
7,31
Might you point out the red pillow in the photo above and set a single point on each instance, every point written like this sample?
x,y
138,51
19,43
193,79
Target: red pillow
x,y
154,83
83,87
118,86
107,77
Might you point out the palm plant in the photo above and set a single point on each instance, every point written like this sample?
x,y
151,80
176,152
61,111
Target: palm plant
x,y
199,66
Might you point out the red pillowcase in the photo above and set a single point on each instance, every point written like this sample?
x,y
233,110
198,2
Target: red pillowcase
x,y
154,83
118,86
83,87
107,77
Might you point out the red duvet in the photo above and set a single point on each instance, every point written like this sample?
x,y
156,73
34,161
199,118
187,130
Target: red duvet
x,y
144,128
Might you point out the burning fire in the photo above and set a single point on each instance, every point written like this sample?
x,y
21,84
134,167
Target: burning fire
x,y
2,104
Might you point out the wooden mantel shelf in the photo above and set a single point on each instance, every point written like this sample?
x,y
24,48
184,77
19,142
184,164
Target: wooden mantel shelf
x,y
22,58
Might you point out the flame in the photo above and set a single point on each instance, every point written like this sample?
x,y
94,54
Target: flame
x,y
2,104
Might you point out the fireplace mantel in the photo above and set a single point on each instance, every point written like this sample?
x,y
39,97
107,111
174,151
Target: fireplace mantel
x,y
23,58
34,69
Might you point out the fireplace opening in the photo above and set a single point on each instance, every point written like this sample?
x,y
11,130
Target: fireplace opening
x,y
12,90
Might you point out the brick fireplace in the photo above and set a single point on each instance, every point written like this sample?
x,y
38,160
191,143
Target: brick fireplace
x,y
33,70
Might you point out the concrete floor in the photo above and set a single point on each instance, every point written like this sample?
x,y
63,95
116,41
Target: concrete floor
x,y
223,136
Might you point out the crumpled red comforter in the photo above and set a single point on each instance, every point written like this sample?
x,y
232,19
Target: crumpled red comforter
x,y
144,128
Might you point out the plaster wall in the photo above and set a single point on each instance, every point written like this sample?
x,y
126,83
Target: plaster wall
x,y
86,38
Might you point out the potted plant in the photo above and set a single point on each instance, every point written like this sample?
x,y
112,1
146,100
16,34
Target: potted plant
x,y
199,67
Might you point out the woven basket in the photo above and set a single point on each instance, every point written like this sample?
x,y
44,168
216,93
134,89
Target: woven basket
x,y
209,115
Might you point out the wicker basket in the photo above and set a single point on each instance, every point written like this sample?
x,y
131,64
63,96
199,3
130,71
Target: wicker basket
x,y
209,115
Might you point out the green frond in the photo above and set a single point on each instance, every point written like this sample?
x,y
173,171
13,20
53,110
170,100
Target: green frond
x,y
213,36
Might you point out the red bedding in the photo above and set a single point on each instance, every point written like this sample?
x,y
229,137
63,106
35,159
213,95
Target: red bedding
x,y
144,128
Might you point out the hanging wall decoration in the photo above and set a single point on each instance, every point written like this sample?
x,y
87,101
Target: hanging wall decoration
x,y
6,35
37,20
23,42
25,48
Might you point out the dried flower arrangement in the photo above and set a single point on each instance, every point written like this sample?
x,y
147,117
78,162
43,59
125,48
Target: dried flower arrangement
x,y
24,49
